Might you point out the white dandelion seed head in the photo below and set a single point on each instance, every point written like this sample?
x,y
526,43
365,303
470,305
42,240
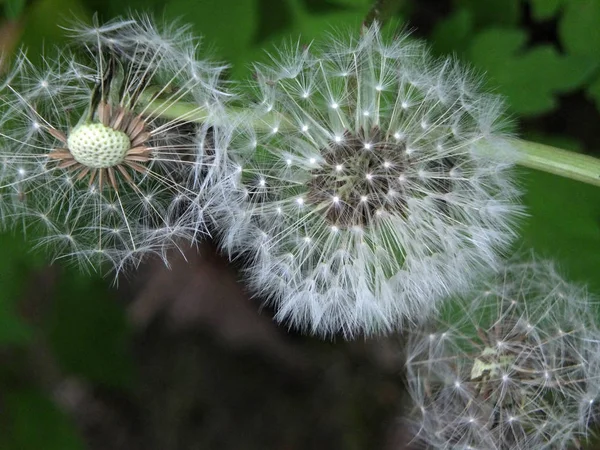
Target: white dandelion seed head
x,y
100,175
534,391
424,231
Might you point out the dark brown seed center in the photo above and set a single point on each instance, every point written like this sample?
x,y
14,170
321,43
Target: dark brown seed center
x,y
362,176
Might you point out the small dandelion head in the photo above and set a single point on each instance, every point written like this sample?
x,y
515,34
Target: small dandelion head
x,y
101,171
533,391
432,210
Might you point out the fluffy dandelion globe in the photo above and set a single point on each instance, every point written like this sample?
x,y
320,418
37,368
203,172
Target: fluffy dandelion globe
x,y
90,153
374,181
513,366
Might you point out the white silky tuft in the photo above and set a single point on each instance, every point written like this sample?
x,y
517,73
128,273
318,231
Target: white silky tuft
x,y
515,365
375,182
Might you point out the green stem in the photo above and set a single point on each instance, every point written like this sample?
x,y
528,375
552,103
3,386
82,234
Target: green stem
x,y
542,157
560,162
188,112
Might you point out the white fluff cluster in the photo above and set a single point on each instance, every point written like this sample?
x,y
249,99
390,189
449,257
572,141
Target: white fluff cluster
x,y
514,366
92,156
374,184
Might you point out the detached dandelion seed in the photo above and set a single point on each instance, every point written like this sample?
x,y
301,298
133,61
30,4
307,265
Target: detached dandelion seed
x,y
424,231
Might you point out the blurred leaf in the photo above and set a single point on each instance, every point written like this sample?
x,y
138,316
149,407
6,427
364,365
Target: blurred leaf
x,y
89,332
579,28
274,16
306,28
227,27
41,24
13,8
33,422
558,141
530,79
544,9
316,27
353,3
576,71
593,91
492,12
564,224
493,47
17,263
326,6
453,33
12,328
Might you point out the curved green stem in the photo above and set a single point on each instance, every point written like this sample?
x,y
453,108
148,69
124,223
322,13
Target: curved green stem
x,y
542,157
560,162
188,112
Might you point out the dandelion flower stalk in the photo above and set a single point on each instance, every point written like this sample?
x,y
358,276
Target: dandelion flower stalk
x,y
564,163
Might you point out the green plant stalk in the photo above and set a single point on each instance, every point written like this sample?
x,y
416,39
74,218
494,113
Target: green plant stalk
x,y
537,156
557,161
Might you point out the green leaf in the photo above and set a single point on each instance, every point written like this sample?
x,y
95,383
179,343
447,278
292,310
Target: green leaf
x,y
13,8
490,49
315,27
453,33
41,24
89,332
355,3
593,91
17,263
530,79
33,422
579,28
492,12
544,9
274,16
13,331
306,27
564,224
229,26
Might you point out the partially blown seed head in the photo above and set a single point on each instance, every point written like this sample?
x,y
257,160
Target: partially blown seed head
x,y
513,366
374,184
91,154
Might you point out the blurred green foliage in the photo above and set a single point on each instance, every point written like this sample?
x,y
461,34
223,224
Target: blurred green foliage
x,y
540,54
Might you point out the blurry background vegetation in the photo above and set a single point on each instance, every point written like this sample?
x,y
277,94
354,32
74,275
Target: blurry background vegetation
x,y
169,360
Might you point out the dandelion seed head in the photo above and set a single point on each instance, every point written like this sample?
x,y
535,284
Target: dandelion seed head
x,y
424,231
528,392
98,175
